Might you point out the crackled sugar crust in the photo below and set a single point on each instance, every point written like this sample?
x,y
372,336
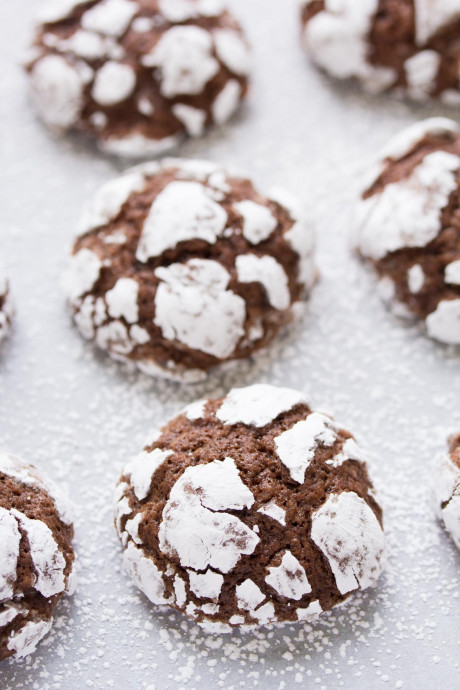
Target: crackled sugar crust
x,y
36,555
6,307
181,266
406,45
250,510
446,489
138,75
406,224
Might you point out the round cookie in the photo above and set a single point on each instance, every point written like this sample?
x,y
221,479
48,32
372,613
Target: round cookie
x,y
446,490
250,510
410,46
406,224
181,266
137,75
6,307
36,555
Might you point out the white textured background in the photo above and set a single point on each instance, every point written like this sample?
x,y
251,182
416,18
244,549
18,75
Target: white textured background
x,y
79,417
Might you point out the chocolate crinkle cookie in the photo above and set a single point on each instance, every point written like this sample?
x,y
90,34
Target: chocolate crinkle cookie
x,y
36,555
181,266
250,510
6,307
137,75
447,489
407,224
410,46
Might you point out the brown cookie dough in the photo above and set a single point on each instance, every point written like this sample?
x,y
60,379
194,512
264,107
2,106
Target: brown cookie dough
x,y
407,224
182,266
410,46
138,75
36,555
250,510
446,492
6,307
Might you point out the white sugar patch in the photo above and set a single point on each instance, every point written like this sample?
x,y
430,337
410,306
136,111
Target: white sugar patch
x,y
141,470
194,306
122,300
182,211
206,585
110,17
337,38
195,410
9,549
82,274
404,142
48,561
184,59
258,221
274,511
452,273
296,447
421,73
443,323
348,533
258,405
415,278
226,102
269,273
249,595
193,119
232,49
432,15
109,200
301,237
194,532
114,83
25,640
350,451
54,10
58,91
145,574
407,213
289,579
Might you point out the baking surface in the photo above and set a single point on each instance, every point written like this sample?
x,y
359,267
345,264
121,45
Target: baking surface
x,y
79,416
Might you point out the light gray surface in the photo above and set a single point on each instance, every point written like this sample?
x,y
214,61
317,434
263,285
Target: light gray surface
x,y
79,417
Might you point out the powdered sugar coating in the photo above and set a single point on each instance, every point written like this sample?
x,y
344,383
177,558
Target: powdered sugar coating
x,y
9,546
296,447
25,640
182,211
257,405
48,561
185,61
358,40
226,541
289,578
90,73
408,212
446,492
141,470
432,15
348,533
36,564
443,323
164,275
258,221
191,528
337,39
269,273
194,306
